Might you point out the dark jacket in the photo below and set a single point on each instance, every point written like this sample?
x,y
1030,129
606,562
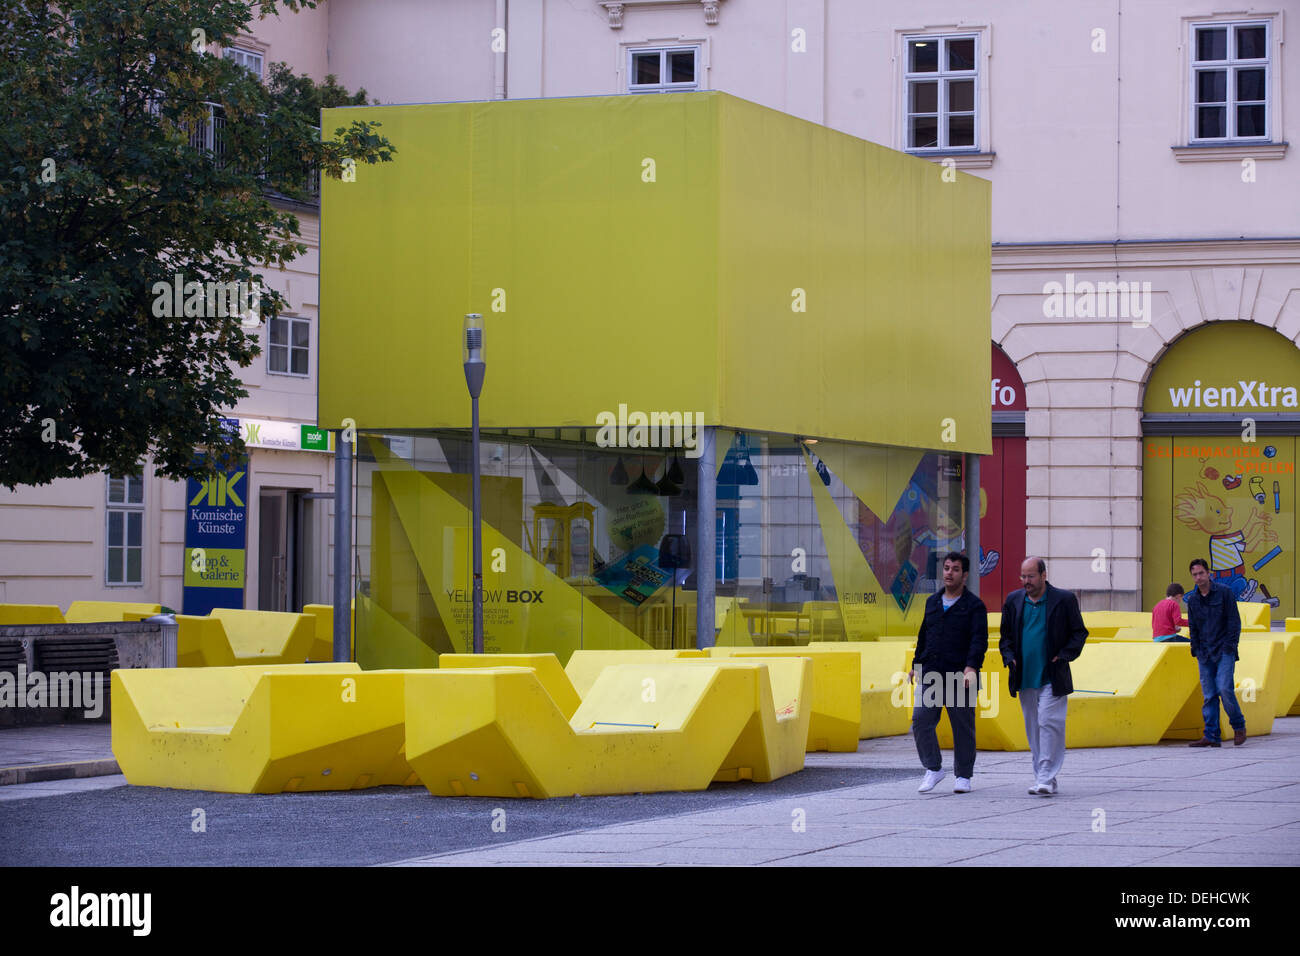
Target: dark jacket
x,y
955,639
1065,637
1214,622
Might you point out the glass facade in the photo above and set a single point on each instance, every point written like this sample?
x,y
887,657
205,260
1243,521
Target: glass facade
x,y
594,547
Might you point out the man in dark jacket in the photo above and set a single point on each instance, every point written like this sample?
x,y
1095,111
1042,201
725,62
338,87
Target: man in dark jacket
x,y
1215,626
1042,631
950,651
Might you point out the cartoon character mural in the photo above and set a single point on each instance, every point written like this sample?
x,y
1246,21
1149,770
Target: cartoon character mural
x,y
1230,536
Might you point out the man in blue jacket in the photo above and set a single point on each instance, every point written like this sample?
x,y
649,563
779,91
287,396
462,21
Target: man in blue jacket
x,y
950,650
1042,631
1215,627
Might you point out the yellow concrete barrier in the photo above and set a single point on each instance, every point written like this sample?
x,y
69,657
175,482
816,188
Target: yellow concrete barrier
x,y
19,614
547,666
642,728
773,743
1293,624
98,612
1288,696
1255,614
261,728
1258,678
880,662
202,642
267,637
585,666
995,621
1127,693
322,646
836,702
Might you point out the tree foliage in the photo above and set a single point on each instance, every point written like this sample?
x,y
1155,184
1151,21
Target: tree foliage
x,y
131,153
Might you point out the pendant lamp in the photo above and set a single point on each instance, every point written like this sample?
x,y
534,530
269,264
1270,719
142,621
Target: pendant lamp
x,y
642,485
618,475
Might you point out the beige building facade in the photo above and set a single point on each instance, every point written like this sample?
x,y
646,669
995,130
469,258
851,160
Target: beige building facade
x,y
1143,146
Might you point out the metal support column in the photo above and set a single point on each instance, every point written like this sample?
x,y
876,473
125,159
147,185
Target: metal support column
x,y
706,553
972,473
342,547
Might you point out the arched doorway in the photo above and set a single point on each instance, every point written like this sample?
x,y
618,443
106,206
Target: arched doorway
x,y
1002,486
1220,425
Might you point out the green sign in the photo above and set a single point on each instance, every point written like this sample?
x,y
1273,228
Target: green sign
x,y
315,439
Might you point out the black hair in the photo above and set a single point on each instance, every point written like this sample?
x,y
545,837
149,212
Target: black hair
x,y
958,556
1174,590
1201,561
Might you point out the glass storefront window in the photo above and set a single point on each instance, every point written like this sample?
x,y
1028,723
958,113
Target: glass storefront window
x,y
592,547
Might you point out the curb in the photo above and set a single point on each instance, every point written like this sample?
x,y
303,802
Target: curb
x,y
37,773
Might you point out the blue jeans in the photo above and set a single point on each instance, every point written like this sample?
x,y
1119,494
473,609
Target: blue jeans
x,y
1216,685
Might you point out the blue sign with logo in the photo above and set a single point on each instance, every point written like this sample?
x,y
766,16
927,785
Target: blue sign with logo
x,y
216,533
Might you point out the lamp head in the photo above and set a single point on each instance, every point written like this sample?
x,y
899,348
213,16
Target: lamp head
x,y
473,353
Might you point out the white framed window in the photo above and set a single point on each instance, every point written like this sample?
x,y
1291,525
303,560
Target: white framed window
x,y
289,346
124,532
250,60
940,93
669,69
1231,79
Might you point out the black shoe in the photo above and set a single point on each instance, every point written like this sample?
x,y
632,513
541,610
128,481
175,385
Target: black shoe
x,y
1204,742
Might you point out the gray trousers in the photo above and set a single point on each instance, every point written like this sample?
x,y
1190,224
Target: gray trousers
x,y
1045,727
962,719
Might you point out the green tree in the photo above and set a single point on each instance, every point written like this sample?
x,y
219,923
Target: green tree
x,y
132,153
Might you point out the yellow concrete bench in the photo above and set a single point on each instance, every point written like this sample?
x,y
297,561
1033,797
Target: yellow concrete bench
x,y
97,612
642,728
270,637
1293,624
1255,614
322,646
261,728
880,664
19,614
836,701
1127,693
585,666
1288,696
1258,675
202,642
547,666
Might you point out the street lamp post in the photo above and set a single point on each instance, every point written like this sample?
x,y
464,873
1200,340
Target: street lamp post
x,y
475,368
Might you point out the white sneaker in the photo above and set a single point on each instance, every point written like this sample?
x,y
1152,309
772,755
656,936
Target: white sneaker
x,y
1051,785
961,785
932,778
1040,790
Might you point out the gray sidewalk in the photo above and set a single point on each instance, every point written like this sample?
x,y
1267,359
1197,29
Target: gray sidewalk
x,y
1166,805
55,752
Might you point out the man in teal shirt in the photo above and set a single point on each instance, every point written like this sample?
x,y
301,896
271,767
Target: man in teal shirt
x,y
1042,631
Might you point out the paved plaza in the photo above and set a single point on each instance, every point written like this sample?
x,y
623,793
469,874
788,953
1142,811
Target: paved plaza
x,y
1166,805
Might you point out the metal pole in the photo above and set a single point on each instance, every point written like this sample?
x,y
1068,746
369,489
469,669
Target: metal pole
x,y
342,548
477,508
706,551
972,471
